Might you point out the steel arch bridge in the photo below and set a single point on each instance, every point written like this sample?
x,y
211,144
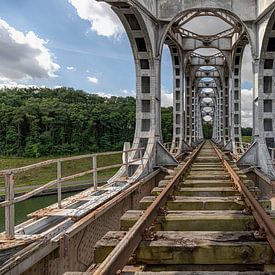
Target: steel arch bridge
x,y
205,85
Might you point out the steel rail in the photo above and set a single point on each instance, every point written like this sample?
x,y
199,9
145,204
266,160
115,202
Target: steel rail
x,y
264,221
119,256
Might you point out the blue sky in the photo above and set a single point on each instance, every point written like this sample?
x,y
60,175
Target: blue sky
x,y
79,51
79,44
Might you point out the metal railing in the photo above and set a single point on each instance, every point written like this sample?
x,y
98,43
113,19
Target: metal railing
x,y
168,145
266,225
272,153
172,145
9,174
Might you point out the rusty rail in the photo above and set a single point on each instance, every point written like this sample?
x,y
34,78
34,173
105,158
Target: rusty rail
x,y
120,254
9,174
267,227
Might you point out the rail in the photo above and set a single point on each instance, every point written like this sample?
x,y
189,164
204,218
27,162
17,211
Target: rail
x,y
242,147
267,227
120,254
171,145
9,174
167,145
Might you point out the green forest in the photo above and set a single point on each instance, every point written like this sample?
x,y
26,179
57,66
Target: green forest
x,y
53,122
43,122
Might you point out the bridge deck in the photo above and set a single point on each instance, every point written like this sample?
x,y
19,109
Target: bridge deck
x,y
195,217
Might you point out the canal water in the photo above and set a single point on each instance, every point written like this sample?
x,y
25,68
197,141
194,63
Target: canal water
x,y
22,209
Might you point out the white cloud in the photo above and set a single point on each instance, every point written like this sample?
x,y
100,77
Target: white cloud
x,y
92,79
70,68
102,94
122,93
247,107
129,93
103,20
166,98
24,56
15,85
9,84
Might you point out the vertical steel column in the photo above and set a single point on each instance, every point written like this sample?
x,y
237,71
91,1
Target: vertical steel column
x,y
95,171
59,191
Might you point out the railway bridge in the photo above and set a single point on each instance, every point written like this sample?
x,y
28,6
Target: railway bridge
x,y
193,207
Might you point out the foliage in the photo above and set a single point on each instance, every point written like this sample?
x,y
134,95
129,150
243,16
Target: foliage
x,y
42,122
167,124
247,131
207,130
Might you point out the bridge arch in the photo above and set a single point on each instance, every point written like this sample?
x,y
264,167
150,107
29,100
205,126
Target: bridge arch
x,y
147,66
178,95
266,91
221,13
154,29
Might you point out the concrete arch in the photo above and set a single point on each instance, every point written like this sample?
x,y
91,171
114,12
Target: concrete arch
x,y
235,94
265,114
225,55
178,96
148,127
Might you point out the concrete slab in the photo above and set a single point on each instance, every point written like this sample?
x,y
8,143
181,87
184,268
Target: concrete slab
x,y
197,203
200,192
195,221
175,247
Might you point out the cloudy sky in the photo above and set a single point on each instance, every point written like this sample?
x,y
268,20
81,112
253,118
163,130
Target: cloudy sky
x,y
75,43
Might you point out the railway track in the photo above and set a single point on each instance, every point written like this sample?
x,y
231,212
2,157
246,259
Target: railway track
x,y
203,218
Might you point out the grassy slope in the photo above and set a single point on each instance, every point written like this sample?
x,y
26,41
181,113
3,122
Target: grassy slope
x,y
45,174
247,139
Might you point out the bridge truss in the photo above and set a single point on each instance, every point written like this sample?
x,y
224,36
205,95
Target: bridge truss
x,y
207,76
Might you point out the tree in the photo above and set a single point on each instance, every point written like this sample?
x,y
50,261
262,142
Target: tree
x,y
39,122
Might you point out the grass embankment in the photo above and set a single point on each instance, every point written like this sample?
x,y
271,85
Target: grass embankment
x,y
39,176
247,139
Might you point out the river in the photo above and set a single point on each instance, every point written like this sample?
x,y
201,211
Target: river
x,y
22,209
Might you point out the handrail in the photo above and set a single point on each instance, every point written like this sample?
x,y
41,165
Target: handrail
x,y
52,161
240,149
10,199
